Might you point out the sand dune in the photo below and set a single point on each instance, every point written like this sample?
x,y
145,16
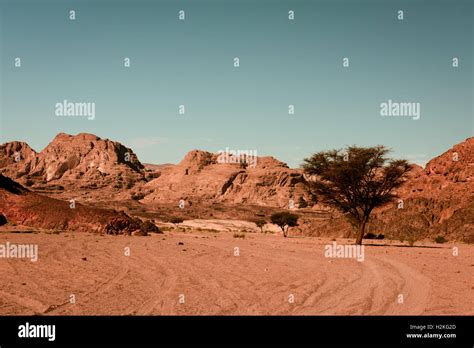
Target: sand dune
x,y
214,281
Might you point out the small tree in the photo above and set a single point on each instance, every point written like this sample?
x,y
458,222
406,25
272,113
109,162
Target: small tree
x,y
260,223
409,233
355,181
284,220
176,221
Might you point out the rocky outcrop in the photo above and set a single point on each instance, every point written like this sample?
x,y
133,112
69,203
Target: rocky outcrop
x,y
200,177
80,161
436,200
21,206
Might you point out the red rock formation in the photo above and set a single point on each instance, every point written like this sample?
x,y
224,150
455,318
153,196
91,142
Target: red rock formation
x,y
200,178
83,160
21,206
438,199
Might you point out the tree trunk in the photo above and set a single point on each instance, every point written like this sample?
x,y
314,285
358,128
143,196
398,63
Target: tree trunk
x,y
361,232
284,232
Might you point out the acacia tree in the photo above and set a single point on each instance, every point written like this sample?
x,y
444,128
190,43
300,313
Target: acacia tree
x,y
355,181
285,221
260,223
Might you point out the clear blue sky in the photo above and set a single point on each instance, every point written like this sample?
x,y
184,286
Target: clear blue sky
x,y
281,62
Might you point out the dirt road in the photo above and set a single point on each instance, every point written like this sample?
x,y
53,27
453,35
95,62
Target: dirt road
x,y
215,273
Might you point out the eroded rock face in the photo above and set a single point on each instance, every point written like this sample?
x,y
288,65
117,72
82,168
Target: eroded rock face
x,y
83,160
200,177
438,199
17,158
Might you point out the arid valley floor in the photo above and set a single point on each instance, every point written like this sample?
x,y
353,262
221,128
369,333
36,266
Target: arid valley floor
x,y
200,269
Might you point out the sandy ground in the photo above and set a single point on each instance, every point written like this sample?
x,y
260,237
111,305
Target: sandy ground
x,y
267,274
222,225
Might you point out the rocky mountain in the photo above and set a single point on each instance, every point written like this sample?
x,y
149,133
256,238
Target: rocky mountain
x,y
201,177
438,199
100,169
73,162
23,207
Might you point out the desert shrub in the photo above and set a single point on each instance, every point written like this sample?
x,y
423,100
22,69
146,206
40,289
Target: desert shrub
x,y
440,239
410,234
239,235
29,182
370,235
411,240
137,196
176,220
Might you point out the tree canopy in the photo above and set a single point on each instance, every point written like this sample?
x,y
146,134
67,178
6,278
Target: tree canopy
x,y
355,180
284,220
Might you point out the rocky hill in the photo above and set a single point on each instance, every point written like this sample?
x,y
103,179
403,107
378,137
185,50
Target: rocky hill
x,y
200,177
438,199
83,161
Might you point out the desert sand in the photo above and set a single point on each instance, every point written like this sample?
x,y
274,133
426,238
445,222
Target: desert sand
x,y
200,269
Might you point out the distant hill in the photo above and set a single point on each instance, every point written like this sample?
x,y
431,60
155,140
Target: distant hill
x,y
199,177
